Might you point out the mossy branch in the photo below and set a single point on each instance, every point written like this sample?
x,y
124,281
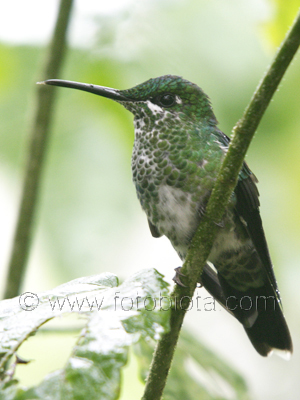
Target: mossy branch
x,y
39,138
203,240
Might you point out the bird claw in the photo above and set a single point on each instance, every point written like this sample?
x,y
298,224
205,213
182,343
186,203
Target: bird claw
x,y
176,278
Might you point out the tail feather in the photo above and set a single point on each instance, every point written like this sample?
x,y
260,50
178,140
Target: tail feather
x,y
270,331
259,310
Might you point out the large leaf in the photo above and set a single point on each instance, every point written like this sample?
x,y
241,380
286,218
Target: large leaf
x,y
116,317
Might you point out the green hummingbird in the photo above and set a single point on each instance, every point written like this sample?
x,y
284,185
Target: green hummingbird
x,y
177,154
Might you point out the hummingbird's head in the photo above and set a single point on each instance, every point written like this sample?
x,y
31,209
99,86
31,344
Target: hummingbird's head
x,y
170,94
166,95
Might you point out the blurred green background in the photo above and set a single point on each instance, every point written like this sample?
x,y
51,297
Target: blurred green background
x,y
89,219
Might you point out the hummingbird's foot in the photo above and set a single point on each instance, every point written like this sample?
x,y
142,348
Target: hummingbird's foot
x,y
176,278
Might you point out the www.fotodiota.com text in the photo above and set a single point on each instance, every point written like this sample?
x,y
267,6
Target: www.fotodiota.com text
x,y
29,301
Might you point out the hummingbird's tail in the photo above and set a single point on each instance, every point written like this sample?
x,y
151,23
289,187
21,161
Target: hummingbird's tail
x,y
270,331
259,310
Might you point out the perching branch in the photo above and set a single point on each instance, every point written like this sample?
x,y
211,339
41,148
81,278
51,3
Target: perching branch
x,y
203,240
39,138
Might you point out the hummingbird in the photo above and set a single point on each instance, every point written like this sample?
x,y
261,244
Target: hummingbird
x,y
177,154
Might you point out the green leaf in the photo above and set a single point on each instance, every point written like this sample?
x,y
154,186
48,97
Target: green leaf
x,y
196,372
116,318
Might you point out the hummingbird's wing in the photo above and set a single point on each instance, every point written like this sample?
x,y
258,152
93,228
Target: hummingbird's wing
x,y
247,208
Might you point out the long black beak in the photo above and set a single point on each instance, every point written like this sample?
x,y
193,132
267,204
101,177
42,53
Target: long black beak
x,y
99,90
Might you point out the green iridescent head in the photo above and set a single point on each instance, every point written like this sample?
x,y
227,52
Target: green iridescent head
x,y
174,94
168,93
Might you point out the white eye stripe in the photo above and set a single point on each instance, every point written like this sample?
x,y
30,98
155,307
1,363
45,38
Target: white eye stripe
x,y
154,107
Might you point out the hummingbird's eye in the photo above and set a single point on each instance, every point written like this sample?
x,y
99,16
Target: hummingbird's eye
x,y
165,100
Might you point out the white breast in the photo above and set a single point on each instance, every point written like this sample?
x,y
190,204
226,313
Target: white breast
x,y
180,214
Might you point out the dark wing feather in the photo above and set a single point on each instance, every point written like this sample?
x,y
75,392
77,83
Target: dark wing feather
x,y
247,208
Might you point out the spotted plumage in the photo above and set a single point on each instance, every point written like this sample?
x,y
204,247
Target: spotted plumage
x,y
178,151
